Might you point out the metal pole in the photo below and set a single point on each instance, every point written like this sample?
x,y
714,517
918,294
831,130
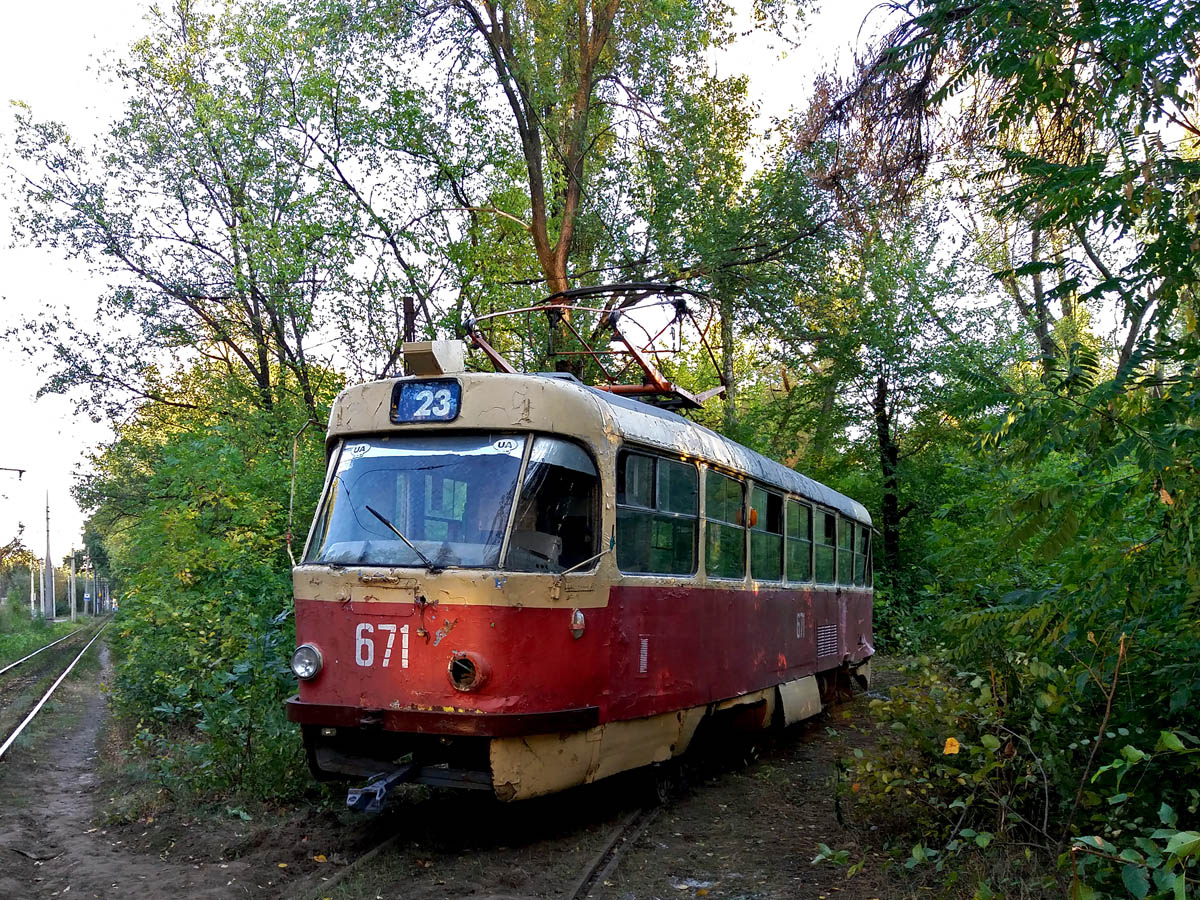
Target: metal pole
x,y
72,584
48,609
32,593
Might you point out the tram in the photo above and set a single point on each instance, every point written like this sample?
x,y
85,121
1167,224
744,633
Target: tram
x,y
520,583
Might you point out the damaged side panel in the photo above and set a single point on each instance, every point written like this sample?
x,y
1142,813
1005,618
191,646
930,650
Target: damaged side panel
x,y
800,699
542,764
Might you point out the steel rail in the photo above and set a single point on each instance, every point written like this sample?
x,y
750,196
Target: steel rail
x,y
45,697
606,859
39,650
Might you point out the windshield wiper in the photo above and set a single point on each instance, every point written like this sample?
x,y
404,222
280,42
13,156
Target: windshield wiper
x,y
429,564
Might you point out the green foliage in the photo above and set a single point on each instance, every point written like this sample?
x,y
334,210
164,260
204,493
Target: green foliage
x,y
1062,575
194,514
1156,858
1008,760
963,778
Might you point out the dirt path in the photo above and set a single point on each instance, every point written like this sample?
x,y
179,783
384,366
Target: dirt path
x,y
751,833
50,845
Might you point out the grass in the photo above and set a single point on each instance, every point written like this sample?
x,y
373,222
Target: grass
x,y
20,634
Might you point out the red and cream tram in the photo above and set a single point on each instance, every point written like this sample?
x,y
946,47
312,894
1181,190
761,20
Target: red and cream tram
x,y
520,583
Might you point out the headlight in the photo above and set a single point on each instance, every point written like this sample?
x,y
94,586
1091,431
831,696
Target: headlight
x,y
306,662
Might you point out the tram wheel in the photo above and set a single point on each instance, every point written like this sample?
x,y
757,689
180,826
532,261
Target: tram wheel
x,y
664,782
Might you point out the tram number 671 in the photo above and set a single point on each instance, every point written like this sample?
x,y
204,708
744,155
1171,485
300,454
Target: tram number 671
x,y
364,644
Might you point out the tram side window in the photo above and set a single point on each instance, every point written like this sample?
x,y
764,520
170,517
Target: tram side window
x,y
826,541
725,538
861,575
766,535
556,521
799,541
658,508
845,551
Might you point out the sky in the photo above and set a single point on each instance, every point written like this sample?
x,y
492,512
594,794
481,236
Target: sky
x,y
48,59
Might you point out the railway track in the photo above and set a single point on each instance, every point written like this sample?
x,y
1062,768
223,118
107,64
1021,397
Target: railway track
x,y
588,836
590,844
23,659
602,862
16,701
606,859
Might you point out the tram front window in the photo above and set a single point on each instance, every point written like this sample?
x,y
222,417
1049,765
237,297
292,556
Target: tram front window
x,y
449,495
555,526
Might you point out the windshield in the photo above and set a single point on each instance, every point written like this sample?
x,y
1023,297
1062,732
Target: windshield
x,y
449,495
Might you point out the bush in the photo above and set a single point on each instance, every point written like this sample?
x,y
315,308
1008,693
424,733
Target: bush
x,y
1032,763
203,633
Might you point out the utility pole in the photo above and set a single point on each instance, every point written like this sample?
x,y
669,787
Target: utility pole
x,y
32,592
72,584
48,609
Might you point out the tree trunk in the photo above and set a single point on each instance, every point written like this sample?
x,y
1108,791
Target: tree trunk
x,y
725,308
889,456
1043,321
815,454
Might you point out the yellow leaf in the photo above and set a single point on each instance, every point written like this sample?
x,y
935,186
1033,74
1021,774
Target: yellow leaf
x,y
951,746
282,865
320,857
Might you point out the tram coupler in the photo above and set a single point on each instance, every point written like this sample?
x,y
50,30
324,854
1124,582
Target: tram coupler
x,y
373,795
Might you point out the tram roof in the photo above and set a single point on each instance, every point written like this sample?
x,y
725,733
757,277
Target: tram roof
x,y
360,409
655,427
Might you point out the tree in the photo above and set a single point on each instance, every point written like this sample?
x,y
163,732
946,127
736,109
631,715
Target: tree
x,y
1068,564
526,120
579,80
13,550
198,210
1088,112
